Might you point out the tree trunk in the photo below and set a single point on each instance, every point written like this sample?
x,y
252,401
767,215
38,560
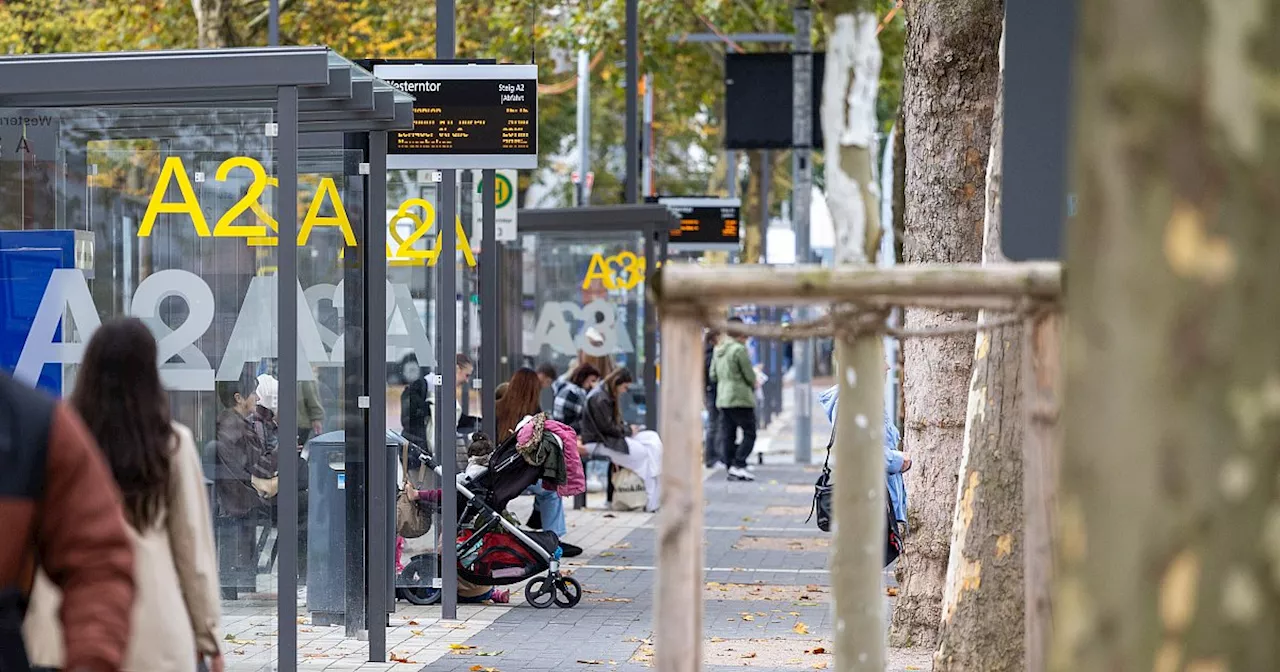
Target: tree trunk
x,y
1169,509
752,227
211,21
849,119
982,606
951,70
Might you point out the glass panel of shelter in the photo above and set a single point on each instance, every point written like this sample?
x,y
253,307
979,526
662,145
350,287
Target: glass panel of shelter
x,y
90,199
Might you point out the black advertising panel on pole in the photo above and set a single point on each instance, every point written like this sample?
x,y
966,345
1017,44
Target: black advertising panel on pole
x,y
704,223
1037,117
465,116
750,81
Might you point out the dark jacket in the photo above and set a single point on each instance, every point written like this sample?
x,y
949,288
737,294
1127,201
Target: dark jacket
x,y
708,354
60,504
240,456
415,412
601,425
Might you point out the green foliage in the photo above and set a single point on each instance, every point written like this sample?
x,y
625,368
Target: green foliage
x,y
687,77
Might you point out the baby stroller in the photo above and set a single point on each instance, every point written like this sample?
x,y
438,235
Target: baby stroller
x,y
493,550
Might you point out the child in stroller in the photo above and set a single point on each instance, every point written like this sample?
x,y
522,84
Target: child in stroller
x,y
492,549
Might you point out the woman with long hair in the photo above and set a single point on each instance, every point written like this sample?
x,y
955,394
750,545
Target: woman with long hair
x,y
520,399
175,619
628,446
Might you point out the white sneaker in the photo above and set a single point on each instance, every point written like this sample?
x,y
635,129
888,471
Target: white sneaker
x,y
739,474
718,465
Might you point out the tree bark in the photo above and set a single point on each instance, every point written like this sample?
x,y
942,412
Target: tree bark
x,y
752,227
1042,439
950,73
211,23
848,119
982,607
1169,510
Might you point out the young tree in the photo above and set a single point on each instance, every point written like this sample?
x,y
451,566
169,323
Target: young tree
x,y
951,71
1169,507
982,605
849,125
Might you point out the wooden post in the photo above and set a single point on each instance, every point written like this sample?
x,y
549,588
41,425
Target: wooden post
x,y
678,612
858,555
1042,376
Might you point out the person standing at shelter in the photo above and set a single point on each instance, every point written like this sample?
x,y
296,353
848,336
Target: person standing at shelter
x,y
712,450
62,511
156,465
735,381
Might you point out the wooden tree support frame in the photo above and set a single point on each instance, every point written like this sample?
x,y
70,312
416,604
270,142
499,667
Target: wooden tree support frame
x,y
688,299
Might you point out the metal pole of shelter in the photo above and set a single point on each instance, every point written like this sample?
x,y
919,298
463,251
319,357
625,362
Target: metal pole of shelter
x,y
287,365
802,167
379,468
273,23
490,253
446,299
633,126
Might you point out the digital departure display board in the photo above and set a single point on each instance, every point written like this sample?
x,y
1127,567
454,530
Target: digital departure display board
x,y
466,116
705,223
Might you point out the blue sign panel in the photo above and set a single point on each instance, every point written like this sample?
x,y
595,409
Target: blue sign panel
x,y
27,260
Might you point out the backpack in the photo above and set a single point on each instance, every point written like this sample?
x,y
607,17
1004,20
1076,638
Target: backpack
x,y
25,423
893,544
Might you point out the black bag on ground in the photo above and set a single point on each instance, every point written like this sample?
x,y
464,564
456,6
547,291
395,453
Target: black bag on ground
x,y
821,507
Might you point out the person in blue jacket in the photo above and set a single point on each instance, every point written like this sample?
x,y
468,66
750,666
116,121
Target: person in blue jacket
x,y
896,462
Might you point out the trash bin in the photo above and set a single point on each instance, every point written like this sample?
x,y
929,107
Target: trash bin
x,y
327,552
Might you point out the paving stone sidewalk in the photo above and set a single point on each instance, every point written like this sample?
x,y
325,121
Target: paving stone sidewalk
x,y
768,593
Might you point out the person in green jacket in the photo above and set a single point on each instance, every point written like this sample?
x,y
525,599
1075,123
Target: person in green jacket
x,y
735,381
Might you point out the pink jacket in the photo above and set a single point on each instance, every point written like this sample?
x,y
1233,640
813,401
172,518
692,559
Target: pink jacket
x,y
577,481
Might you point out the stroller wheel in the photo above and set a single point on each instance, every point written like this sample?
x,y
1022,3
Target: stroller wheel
x,y
414,584
568,592
419,596
540,592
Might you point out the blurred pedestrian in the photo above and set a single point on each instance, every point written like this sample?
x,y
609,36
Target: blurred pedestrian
x,y
712,455
547,375
175,620
735,380
62,513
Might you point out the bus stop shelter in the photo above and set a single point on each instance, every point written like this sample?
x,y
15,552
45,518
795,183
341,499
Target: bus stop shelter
x,y
233,200
580,275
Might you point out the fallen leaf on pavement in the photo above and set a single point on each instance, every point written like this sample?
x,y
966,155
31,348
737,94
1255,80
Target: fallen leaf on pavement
x,y
748,617
615,599
800,629
793,613
608,515
461,647
761,613
417,633
488,653
818,651
622,546
591,592
749,655
397,658
813,588
591,662
413,623
819,666
891,591
607,554
231,639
